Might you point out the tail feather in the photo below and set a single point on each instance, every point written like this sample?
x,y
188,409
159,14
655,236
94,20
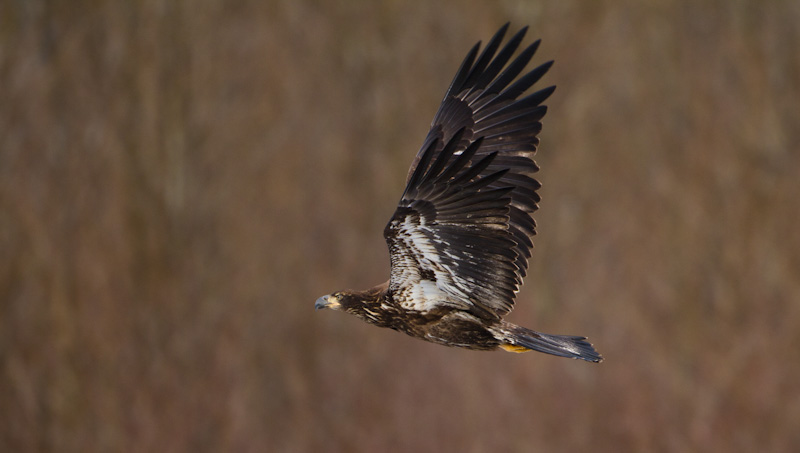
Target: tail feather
x,y
560,345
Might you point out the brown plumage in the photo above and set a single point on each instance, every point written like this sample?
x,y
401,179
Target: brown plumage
x,y
462,233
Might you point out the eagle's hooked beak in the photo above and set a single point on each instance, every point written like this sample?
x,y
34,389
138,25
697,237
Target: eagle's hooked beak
x,y
326,302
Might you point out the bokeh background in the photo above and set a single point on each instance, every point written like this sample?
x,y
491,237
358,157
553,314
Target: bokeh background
x,y
180,180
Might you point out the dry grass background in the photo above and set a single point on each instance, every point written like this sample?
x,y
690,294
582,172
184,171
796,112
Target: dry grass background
x,y
180,180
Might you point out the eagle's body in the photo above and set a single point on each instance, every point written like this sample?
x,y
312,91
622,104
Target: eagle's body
x,y
462,233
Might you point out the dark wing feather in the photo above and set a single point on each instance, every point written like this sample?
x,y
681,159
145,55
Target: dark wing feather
x,y
449,240
479,117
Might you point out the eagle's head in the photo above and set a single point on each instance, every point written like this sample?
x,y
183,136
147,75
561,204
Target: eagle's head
x,y
332,301
347,301
366,305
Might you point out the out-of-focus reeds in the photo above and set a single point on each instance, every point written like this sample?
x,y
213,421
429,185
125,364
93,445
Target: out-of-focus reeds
x,y
180,180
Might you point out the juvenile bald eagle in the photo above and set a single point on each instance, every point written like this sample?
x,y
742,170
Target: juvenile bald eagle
x,y
462,233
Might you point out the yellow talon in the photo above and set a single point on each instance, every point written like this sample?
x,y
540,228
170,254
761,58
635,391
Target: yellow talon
x,y
514,348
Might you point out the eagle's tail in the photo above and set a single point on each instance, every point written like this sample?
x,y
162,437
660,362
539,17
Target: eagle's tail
x,y
520,339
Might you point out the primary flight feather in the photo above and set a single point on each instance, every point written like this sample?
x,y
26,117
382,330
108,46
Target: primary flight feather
x,y
462,233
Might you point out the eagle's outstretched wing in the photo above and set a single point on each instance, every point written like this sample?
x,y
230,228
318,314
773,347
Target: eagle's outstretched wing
x,y
462,232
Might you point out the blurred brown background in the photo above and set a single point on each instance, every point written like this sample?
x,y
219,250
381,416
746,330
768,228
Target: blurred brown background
x,y
180,180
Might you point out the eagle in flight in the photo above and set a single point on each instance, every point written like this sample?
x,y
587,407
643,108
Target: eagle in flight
x,y
462,233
